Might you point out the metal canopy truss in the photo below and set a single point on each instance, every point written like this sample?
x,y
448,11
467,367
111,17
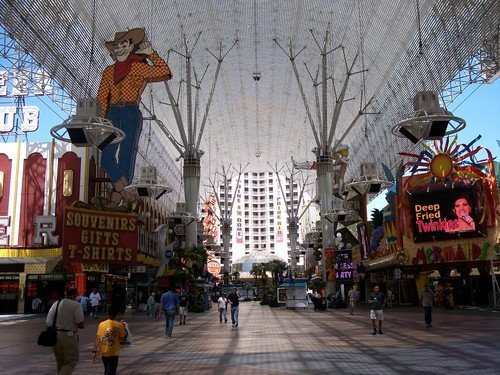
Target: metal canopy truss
x,y
18,64
399,53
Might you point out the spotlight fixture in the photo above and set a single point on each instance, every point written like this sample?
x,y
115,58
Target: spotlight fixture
x,y
256,76
146,186
369,181
429,121
340,213
87,129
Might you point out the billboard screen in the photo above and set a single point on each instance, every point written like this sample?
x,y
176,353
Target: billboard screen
x,y
447,213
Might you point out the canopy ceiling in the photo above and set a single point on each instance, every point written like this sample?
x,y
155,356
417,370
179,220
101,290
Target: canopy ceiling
x,y
395,54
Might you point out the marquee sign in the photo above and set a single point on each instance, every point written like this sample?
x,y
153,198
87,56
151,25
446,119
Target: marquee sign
x,y
213,267
99,236
447,213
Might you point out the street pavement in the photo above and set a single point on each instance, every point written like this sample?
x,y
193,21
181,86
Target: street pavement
x,y
277,341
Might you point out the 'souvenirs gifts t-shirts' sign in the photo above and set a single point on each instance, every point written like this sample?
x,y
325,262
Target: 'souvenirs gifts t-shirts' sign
x,y
91,236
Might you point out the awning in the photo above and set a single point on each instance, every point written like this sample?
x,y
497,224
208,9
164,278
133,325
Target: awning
x,y
148,260
388,261
297,284
29,256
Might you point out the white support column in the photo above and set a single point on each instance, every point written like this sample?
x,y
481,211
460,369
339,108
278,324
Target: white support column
x,y
191,191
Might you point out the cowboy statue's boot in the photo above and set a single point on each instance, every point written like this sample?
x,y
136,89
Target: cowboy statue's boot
x,y
126,195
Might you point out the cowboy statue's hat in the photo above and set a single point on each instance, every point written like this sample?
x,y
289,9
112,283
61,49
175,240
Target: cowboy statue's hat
x,y
136,35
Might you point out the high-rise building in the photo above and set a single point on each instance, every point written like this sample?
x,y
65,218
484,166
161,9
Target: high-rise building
x,y
259,216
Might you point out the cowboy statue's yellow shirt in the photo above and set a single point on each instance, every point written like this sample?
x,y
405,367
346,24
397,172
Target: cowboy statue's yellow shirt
x,y
132,86
110,333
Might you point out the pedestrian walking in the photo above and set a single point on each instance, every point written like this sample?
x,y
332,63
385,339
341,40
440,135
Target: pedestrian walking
x,y
353,296
222,301
234,299
110,334
95,299
36,305
427,299
169,305
390,297
183,307
69,319
151,305
84,301
377,300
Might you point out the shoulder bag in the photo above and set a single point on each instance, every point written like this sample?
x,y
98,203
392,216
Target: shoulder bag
x,y
49,336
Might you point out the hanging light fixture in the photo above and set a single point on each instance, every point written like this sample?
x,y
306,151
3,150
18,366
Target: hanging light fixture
x,y
429,121
369,181
87,129
340,213
147,185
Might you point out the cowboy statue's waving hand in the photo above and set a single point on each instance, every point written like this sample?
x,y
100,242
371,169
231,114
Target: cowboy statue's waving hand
x,y
145,48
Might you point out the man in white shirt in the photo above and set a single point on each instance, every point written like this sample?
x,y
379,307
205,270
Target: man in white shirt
x,y
36,305
95,299
69,319
223,307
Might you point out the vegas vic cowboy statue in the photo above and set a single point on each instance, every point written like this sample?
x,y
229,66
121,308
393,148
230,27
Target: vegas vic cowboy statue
x,y
136,64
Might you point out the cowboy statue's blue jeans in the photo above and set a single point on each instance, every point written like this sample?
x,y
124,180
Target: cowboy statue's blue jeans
x,y
129,120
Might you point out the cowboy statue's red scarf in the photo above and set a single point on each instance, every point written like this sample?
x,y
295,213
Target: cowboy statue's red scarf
x,y
122,68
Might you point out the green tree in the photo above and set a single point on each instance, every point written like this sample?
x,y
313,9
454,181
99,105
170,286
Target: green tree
x,y
317,284
235,275
377,218
196,259
259,272
225,277
276,267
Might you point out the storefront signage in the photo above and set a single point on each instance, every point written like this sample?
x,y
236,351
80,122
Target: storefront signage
x,y
91,236
95,267
447,213
462,252
133,269
213,267
45,226
55,277
4,225
9,277
180,230
344,266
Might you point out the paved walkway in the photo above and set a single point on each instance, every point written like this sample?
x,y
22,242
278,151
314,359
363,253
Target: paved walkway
x,y
279,341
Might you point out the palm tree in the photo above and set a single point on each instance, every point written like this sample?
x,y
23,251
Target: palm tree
x,y
196,259
377,218
378,230
225,277
235,275
277,267
259,271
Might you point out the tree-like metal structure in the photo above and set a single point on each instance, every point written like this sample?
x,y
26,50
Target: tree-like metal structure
x,y
323,128
292,208
191,131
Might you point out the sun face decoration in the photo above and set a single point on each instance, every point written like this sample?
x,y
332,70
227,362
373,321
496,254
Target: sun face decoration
x,y
447,161
441,165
